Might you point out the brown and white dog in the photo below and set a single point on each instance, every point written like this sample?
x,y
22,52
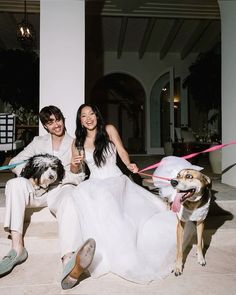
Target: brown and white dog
x,y
191,203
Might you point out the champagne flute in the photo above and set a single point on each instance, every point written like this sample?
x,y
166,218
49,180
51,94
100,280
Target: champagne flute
x,y
81,152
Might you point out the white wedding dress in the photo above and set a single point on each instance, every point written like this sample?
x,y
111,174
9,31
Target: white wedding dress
x,y
135,233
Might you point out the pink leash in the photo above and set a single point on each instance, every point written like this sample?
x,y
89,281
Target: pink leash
x,y
211,149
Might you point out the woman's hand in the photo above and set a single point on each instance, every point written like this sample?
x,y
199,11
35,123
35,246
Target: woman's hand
x,y
76,163
132,167
77,159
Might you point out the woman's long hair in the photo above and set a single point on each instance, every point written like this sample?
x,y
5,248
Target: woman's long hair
x,y
101,141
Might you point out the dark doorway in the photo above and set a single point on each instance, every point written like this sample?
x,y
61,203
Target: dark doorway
x,y
121,99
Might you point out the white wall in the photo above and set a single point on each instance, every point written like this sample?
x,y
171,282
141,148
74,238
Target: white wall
x,y
62,55
228,36
146,70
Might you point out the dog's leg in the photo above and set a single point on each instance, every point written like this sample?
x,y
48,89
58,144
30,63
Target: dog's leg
x,y
179,253
200,243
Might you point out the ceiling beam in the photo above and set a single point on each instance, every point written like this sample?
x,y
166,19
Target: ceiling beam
x,y
18,6
121,41
195,37
146,36
153,8
171,37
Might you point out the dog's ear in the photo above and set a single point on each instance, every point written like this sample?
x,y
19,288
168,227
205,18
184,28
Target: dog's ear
x,y
60,171
206,179
28,170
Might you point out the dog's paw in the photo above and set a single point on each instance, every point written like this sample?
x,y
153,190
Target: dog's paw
x,y
201,261
200,258
178,270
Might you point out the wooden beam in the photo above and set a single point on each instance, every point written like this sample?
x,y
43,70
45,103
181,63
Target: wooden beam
x,y
171,37
146,36
195,37
123,29
18,6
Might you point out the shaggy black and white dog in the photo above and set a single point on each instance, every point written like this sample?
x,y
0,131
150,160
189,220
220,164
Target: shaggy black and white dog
x,y
43,170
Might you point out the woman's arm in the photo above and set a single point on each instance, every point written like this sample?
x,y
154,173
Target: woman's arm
x,y
115,138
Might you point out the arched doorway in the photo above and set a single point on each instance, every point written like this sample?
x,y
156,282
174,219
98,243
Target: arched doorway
x,y
121,99
165,111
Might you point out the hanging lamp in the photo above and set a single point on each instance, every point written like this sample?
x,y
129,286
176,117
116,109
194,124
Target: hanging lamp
x,y
25,32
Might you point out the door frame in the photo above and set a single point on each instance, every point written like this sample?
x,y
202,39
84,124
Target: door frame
x,y
159,149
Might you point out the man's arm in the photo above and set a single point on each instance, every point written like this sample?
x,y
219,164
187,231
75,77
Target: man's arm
x,y
24,155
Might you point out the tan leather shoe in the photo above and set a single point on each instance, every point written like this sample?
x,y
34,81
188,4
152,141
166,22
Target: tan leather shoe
x,y
79,262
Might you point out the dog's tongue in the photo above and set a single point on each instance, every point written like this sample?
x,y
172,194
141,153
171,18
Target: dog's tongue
x,y
176,203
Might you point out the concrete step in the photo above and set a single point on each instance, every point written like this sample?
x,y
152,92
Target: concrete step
x,y
42,237
40,274
33,215
41,228
218,207
39,238
223,207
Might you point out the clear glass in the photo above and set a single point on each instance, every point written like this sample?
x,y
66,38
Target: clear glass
x,y
81,153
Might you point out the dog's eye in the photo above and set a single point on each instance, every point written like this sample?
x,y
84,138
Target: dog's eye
x,y
189,176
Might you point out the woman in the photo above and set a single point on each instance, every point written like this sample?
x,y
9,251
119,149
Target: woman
x,y
134,231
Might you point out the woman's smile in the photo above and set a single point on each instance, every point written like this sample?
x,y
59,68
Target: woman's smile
x,y
88,118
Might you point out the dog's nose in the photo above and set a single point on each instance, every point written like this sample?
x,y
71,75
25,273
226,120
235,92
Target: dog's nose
x,y
173,182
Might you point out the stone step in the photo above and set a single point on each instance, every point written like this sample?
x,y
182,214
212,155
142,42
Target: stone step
x,y
39,238
218,207
40,274
33,215
42,237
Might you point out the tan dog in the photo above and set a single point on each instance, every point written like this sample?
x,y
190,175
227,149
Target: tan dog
x,y
191,203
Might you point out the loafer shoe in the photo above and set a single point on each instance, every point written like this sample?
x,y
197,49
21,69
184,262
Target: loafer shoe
x,y
78,263
11,260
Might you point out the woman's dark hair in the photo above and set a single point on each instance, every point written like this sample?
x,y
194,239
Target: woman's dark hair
x,y
101,141
46,112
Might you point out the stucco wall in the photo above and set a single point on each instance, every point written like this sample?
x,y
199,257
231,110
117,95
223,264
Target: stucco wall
x,y
146,70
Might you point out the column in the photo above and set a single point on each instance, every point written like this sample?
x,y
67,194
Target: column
x,y
62,56
228,37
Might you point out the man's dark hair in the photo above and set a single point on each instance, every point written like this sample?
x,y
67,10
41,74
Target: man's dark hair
x,y
46,112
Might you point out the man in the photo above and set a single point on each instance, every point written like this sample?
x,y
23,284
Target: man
x,y
20,194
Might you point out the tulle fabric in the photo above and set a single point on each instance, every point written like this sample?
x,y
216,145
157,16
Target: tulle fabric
x,y
134,231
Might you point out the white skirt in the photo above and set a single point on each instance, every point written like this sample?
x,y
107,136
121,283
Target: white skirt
x,y
134,231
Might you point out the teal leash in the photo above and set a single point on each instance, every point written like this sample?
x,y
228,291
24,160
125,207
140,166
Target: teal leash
x,y
10,166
